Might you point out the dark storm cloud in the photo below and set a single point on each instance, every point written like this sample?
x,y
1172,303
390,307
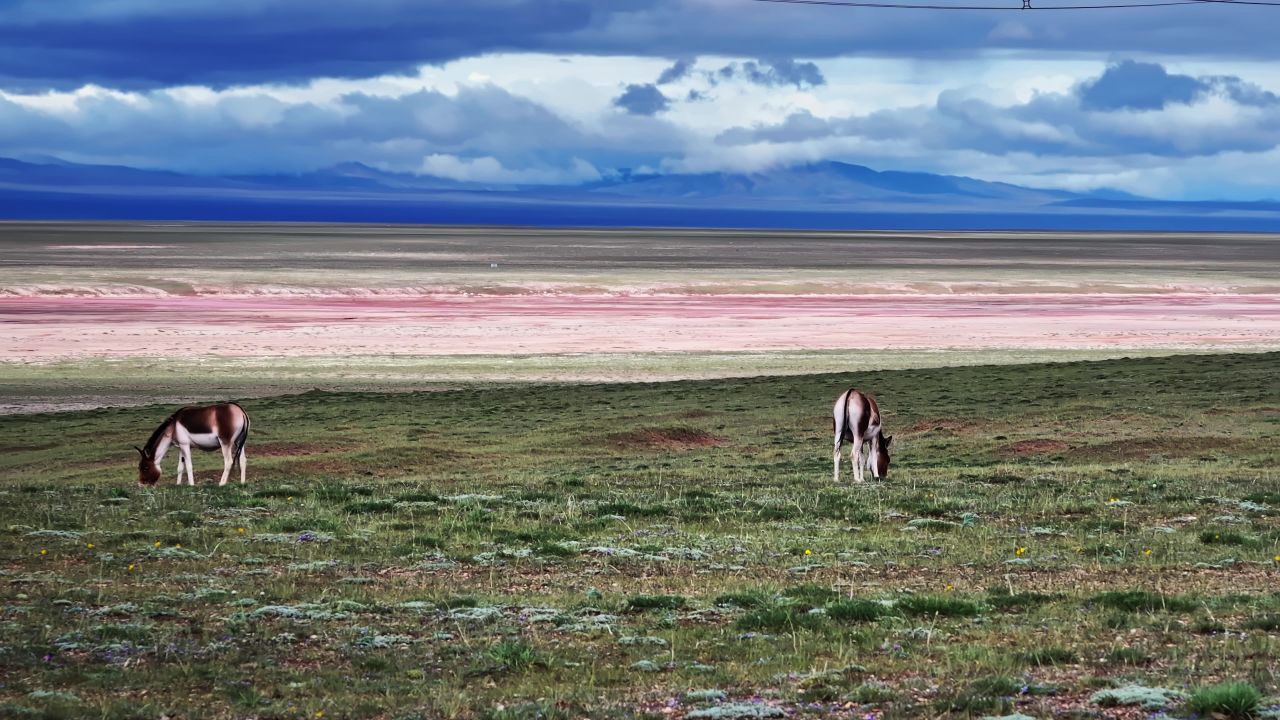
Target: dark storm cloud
x,y
775,73
1131,85
678,71
146,43
771,73
1139,86
134,44
642,100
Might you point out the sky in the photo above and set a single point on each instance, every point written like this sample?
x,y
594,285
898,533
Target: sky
x,y
1178,102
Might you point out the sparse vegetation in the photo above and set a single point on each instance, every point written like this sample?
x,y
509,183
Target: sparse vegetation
x,y
397,565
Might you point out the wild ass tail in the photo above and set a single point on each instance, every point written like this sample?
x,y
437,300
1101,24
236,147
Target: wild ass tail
x,y
842,425
237,446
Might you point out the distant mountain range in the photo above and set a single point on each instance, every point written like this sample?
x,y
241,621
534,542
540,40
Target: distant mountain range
x,y
817,195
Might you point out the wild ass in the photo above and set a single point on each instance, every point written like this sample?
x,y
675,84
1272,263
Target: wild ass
x,y
856,418
223,426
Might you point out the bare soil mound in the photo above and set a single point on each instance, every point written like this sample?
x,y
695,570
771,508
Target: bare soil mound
x,y
1035,447
666,438
951,425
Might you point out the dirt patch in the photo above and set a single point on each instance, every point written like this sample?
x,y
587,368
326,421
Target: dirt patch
x,y
320,467
27,448
294,449
1171,447
1034,447
665,438
948,425
1243,411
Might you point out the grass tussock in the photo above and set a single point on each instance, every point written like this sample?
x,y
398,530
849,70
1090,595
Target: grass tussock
x,y
937,605
1234,700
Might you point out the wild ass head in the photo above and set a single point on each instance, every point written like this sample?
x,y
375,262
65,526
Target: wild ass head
x,y
148,472
880,456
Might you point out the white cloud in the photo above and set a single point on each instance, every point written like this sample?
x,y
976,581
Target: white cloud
x,y
490,170
548,118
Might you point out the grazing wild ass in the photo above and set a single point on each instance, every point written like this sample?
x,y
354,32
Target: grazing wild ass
x,y
223,426
856,418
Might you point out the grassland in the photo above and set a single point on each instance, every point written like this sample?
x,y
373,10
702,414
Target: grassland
x,y
85,384
1048,532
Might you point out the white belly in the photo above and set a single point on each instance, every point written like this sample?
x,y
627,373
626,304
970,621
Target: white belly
x,y
204,441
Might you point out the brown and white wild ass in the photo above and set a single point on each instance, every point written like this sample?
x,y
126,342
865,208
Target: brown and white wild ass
x,y
856,418
223,426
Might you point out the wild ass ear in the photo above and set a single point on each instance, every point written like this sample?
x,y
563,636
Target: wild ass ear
x,y
140,451
888,439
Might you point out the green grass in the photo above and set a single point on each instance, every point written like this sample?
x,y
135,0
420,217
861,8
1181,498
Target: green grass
x,y
1235,700
1144,601
782,619
656,602
559,551
935,605
857,611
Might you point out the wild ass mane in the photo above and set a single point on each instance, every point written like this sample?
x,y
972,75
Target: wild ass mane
x,y
149,449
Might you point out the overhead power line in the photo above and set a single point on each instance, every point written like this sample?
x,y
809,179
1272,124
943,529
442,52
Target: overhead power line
x,y
1239,2
1026,5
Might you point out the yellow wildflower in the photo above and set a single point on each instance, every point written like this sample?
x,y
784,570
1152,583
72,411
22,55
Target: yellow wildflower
x,y
1147,552
1020,551
89,545
157,543
130,567
43,551
241,531
807,551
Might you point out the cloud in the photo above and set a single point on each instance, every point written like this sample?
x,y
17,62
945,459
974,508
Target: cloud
x,y
136,44
642,100
680,70
1242,92
237,133
774,73
490,170
144,44
486,121
1132,109
1132,85
783,72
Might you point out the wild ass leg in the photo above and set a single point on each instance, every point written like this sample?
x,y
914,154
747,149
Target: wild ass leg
x,y
835,476
855,457
226,464
185,450
179,466
241,466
